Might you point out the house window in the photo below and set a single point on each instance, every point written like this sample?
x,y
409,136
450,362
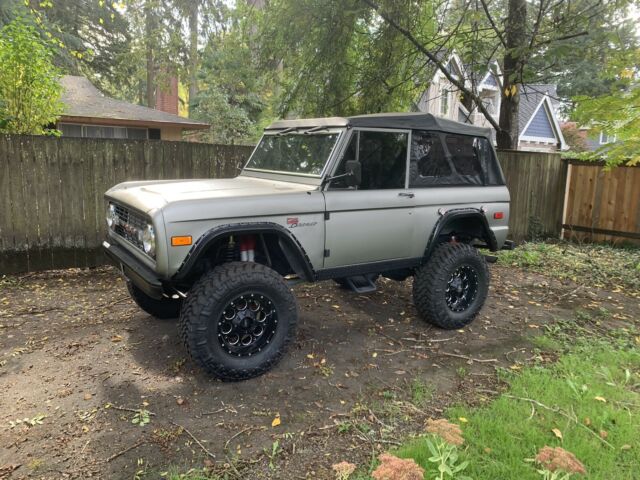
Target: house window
x,y
444,101
99,131
604,138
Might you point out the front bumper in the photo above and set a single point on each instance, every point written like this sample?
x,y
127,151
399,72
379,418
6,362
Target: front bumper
x,y
135,271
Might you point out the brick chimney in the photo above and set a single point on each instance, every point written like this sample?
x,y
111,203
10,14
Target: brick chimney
x,y
167,96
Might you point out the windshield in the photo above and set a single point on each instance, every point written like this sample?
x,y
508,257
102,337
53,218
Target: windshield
x,y
293,153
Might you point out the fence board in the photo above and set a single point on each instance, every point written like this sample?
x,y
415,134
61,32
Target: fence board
x,y
536,182
51,191
604,205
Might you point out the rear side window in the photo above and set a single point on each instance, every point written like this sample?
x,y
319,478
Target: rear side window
x,y
464,155
429,163
449,159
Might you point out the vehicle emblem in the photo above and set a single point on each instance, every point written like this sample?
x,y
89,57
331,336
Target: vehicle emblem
x,y
292,221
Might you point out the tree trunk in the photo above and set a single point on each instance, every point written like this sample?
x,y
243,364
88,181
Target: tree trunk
x,y
515,38
150,35
193,52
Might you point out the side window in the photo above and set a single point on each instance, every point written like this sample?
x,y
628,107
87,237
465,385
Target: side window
x,y
429,164
383,157
464,155
490,166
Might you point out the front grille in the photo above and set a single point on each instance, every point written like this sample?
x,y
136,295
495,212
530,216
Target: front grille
x,y
130,225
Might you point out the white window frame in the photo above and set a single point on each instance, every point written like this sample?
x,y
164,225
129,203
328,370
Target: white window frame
x,y
444,101
609,139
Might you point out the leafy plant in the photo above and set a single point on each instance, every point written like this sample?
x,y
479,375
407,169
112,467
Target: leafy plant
x,y
29,87
273,453
445,456
141,417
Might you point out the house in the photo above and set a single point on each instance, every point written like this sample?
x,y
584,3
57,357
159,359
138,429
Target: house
x,y
89,113
538,114
586,138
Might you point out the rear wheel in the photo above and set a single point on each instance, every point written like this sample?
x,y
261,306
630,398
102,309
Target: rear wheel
x,y
163,309
451,287
238,320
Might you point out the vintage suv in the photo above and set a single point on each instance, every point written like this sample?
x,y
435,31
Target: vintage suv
x,y
347,199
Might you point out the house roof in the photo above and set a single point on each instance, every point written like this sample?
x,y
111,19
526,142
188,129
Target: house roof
x,y
84,102
422,121
531,96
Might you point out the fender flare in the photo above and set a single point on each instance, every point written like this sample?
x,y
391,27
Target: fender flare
x,y
293,251
457,214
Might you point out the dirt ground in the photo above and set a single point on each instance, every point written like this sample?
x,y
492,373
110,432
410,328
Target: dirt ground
x,y
78,359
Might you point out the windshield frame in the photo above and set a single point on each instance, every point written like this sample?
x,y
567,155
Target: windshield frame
x,y
328,162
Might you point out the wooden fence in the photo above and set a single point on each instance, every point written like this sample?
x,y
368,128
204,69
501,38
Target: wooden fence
x,y
602,206
51,191
536,182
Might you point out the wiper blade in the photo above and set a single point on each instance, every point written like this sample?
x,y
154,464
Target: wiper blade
x,y
287,130
316,129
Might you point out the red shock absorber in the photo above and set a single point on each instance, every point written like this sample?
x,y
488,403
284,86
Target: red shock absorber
x,y
248,248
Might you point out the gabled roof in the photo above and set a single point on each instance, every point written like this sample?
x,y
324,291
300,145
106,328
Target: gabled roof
x,y
419,121
539,121
83,100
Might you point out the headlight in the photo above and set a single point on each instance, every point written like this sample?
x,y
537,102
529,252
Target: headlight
x,y
149,240
112,216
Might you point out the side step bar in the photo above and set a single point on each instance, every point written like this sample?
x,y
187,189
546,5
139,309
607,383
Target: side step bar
x,y
361,284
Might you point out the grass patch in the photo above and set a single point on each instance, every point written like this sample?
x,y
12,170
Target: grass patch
x,y
590,396
614,268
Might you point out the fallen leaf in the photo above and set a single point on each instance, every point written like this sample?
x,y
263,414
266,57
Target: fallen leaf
x,y
463,419
587,421
180,401
487,450
625,447
600,399
604,434
375,354
275,422
557,433
116,338
310,356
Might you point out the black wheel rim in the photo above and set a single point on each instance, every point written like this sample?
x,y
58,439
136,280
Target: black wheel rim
x,y
247,324
462,288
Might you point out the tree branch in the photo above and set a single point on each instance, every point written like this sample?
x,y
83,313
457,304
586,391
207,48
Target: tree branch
x,y
437,62
559,39
493,24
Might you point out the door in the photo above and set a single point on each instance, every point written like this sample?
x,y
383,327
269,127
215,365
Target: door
x,y
373,221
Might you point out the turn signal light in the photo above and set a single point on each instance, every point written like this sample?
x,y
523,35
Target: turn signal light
x,y
498,215
181,241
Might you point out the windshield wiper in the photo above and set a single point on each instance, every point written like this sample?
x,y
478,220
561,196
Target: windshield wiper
x,y
287,130
315,129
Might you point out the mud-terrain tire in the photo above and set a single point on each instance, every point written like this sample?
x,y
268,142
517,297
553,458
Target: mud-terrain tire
x,y
163,309
204,319
451,287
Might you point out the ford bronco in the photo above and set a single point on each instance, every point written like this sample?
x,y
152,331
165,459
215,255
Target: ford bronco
x,y
349,199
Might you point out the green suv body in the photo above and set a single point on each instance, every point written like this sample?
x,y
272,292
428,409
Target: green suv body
x,y
347,199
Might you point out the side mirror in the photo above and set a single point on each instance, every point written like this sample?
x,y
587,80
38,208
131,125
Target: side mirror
x,y
353,178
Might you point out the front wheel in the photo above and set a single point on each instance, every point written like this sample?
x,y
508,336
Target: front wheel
x,y
238,320
451,287
164,309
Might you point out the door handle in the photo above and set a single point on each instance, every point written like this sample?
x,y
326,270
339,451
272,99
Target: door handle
x,y
406,194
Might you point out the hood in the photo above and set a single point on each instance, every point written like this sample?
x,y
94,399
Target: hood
x,y
149,195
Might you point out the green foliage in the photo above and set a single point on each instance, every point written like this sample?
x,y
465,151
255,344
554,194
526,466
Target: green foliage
x,y
233,92
334,57
29,88
589,395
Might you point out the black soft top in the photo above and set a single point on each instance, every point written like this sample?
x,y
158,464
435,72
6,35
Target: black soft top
x,y
413,121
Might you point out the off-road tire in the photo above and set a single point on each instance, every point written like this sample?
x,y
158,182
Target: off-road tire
x,y
431,281
205,304
163,309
